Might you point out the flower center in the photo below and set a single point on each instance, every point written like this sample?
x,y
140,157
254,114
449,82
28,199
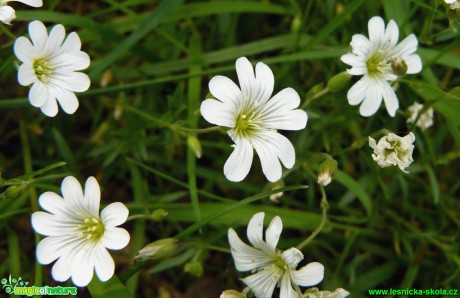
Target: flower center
x,y
92,229
247,120
376,64
42,70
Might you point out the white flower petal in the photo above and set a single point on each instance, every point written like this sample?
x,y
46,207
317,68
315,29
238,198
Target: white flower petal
x,y
52,203
225,90
263,282
72,43
114,214
265,83
218,113
51,225
391,34
23,49
104,264
49,249
38,94
67,100
72,81
33,3
390,99
115,238
406,47
271,146
273,232
372,101
50,107
26,75
38,34
357,92
414,64
93,196
246,77
376,27
255,230
246,257
352,60
292,257
286,290
71,191
55,39
360,44
280,112
60,269
237,166
7,14
82,267
309,275
69,62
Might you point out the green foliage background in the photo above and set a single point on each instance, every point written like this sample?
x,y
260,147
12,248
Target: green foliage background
x,y
384,229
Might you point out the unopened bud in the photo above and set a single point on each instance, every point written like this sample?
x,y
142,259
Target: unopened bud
x,y
194,268
338,81
232,294
195,145
274,197
399,66
157,249
11,192
296,24
106,78
327,170
159,214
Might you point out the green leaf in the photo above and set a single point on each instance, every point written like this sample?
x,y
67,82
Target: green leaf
x,y
110,289
351,184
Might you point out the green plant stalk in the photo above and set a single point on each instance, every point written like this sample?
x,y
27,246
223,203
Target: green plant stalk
x,y
31,189
324,207
194,91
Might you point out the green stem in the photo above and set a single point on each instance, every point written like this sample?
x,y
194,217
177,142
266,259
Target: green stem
x,y
201,130
316,96
324,207
32,192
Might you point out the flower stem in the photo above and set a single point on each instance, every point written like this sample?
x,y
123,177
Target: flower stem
x,y
324,207
317,95
32,192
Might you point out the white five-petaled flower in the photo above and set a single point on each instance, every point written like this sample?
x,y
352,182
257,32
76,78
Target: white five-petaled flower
x,y
78,237
453,4
380,60
253,117
7,13
271,266
392,150
51,65
425,119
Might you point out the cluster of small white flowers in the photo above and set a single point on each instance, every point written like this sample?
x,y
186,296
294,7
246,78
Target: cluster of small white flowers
x,y
425,119
392,150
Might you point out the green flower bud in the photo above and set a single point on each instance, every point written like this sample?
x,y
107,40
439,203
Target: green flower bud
x,y
159,214
157,249
398,66
314,90
195,145
194,268
338,81
327,170
11,192
296,23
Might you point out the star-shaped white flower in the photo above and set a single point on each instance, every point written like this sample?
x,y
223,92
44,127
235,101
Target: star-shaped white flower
x,y
425,120
393,150
77,236
7,13
271,266
253,117
51,65
380,60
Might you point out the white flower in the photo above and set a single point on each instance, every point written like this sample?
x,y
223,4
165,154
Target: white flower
x,y
393,150
380,60
232,294
271,266
426,118
316,293
324,178
77,236
7,13
51,64
453,4
253,118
